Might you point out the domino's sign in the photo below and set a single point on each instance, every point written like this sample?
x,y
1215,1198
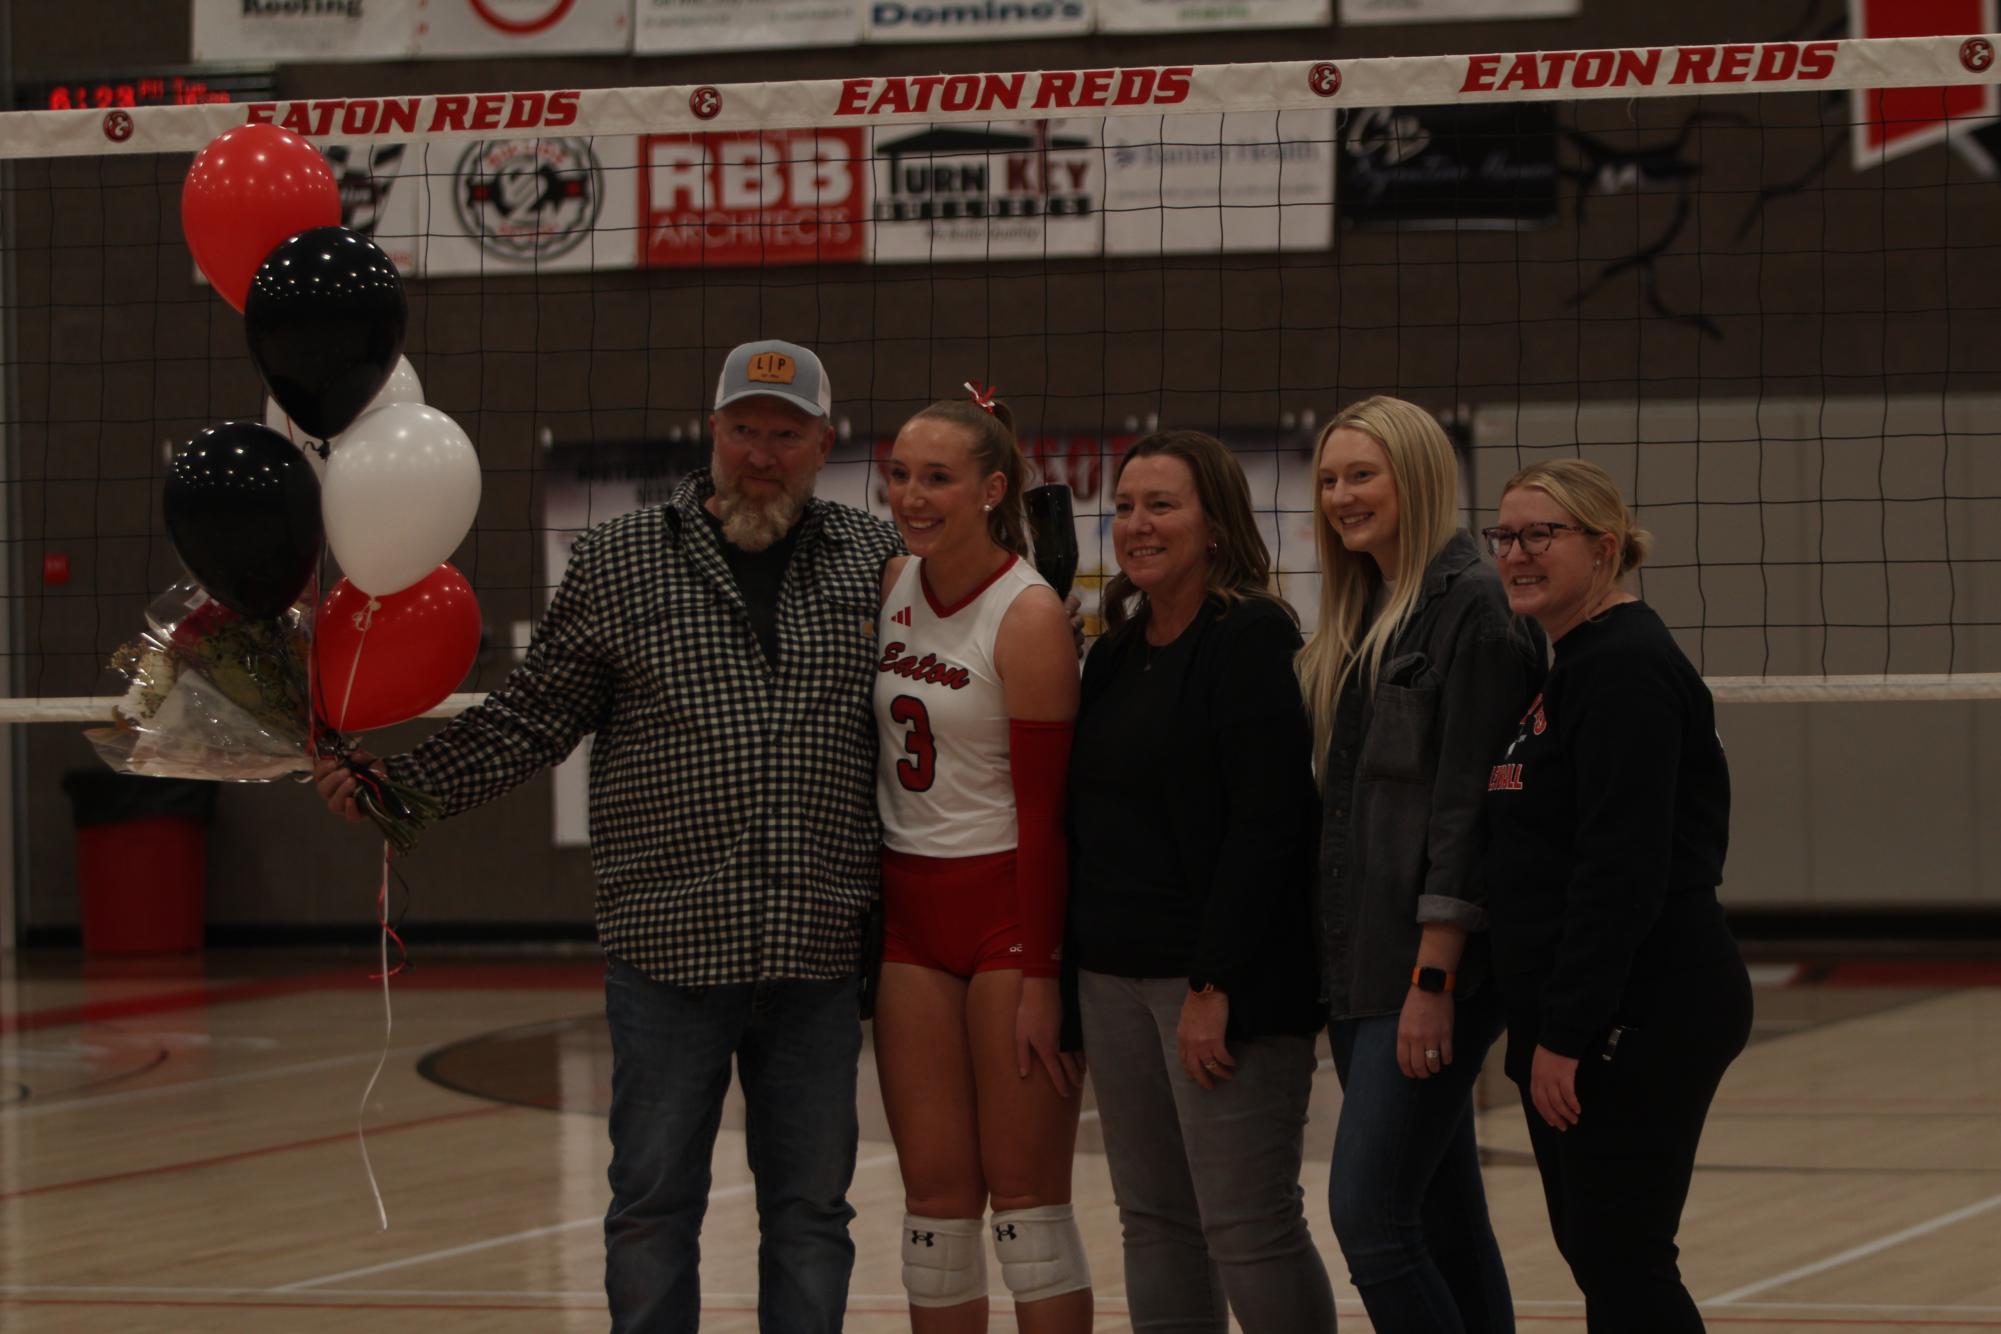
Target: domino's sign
x,y
975,20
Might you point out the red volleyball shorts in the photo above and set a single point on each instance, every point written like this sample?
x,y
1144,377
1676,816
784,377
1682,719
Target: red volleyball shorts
x,y
954,914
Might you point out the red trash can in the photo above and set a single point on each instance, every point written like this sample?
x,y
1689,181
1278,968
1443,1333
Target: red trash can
x,y
141,861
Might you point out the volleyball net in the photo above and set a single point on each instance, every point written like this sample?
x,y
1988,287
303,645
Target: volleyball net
x,y
1758,282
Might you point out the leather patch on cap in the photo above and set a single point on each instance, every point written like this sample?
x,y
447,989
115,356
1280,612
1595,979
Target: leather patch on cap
x,y
772,368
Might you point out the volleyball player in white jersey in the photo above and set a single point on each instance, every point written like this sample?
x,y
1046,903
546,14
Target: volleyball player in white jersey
x,y
976,691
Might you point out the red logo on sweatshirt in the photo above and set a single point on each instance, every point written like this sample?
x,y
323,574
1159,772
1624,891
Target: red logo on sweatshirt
x,y
1505,778
902,617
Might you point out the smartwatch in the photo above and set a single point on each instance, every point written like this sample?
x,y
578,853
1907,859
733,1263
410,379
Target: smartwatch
x,y
1435,980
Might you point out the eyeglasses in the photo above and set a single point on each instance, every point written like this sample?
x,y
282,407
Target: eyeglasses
x,y
1535,537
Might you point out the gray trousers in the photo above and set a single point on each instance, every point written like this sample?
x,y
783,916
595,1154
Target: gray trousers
x,y
1207,1180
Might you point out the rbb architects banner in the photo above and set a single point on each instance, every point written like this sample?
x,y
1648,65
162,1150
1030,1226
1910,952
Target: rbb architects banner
x,y
1452,11
383,194
499,206
1195,184
996,190
298,30
522,27
1197,15
1450,166
662,26
973,20
754,198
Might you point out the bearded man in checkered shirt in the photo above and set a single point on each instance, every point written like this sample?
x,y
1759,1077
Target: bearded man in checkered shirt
x,y
721,647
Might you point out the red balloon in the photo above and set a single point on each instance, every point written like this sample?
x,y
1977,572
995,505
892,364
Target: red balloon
x,y
252,187
378,661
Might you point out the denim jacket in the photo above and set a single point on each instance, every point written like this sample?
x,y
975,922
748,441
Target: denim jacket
x,y
1405,780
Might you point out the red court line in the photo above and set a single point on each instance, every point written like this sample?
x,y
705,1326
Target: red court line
x,y
1910,973
1710,1317
244,1155
159,1002
320,1306
423,977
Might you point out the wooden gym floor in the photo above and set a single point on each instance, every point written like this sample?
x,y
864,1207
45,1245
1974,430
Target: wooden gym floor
x,y
178,1152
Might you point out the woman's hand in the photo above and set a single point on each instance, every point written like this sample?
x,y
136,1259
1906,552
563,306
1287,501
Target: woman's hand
x,y
1038,1027
1424,1034
336,782
1198,1039
1553,1088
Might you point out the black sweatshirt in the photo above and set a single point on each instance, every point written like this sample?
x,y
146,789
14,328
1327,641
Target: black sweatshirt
x,y
1608,818
1193,817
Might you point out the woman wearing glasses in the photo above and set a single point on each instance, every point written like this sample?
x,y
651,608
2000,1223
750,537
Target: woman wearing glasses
x,y
1413,679
1609,813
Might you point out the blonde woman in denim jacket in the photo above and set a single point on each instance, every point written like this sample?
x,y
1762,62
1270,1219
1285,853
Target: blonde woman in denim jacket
x,y
1414,677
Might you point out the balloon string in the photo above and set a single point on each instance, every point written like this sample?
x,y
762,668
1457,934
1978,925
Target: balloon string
x,y
363,619
388,1030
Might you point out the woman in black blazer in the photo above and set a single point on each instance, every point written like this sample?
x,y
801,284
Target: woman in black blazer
x,y
1192,826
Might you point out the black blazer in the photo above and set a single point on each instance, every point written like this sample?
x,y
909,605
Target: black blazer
x,y
1240,810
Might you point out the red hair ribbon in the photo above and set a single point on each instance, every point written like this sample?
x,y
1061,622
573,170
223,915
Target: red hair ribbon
x,y
983,397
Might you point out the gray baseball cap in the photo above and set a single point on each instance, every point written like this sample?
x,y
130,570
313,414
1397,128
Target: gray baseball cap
x,y
776,369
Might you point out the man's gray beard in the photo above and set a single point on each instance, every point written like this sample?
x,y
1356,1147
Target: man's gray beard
x,y
748,526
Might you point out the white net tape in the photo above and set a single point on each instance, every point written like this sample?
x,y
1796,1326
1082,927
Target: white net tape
x,y
1543,76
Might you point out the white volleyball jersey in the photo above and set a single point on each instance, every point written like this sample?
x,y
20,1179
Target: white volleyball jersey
x,y
942,778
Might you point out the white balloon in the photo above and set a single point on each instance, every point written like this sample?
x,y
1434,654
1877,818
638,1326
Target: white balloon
x,y
403,386
400,495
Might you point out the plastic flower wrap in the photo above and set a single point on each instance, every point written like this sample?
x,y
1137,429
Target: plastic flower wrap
x,y
211,694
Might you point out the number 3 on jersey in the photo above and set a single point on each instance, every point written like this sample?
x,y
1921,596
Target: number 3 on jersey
x,y
918,772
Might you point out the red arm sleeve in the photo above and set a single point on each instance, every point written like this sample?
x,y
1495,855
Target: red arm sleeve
x,y
1039,764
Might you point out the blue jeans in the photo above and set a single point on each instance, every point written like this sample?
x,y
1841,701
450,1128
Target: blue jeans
x,y
1409,1208
796,1047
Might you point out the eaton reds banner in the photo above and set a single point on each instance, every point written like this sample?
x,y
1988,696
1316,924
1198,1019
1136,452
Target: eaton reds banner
x,y
1710,70
753,198
1890,122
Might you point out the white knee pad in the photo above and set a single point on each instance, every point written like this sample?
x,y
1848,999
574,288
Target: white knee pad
x,y
944,1263
1041,1252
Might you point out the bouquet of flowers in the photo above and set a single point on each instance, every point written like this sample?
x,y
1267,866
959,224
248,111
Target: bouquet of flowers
x,y
213,694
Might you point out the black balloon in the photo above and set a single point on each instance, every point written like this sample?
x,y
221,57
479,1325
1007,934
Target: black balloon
x,y
243,509
1053,529
325,318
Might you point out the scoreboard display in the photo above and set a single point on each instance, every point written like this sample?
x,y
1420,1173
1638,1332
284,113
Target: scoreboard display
x,y
183,86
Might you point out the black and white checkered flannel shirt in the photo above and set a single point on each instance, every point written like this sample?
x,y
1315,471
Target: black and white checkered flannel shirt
x,y
733,820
